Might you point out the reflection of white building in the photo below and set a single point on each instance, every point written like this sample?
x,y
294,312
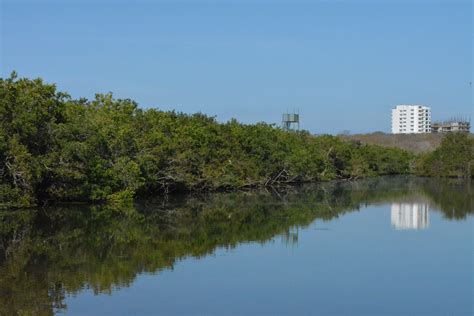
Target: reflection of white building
x,y
410,215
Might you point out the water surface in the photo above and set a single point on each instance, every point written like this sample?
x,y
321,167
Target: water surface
x,y
386,246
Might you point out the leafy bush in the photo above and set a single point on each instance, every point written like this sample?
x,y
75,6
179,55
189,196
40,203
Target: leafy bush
x,y
53,147
454,158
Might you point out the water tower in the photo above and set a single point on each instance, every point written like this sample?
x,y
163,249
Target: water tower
x,y
290,121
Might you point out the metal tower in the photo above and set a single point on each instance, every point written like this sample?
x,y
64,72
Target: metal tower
x,y
290,121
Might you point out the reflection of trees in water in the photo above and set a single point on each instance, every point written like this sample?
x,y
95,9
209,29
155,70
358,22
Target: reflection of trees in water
x,y
454,198
290,237
49,253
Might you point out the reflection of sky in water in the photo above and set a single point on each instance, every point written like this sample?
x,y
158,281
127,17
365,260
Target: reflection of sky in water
x,y
354,264
411,215
322,250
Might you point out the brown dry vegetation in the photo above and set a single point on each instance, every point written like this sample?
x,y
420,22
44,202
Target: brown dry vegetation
x,y
416,143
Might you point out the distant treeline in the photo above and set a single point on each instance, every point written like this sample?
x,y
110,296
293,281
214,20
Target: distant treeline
x,y
55,148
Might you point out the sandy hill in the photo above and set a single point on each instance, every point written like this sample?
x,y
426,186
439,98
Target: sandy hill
x,y
414,142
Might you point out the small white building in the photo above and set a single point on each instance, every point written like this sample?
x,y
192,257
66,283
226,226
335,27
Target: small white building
x,y
411,119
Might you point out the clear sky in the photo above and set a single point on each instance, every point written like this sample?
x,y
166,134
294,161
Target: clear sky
x,y
343,64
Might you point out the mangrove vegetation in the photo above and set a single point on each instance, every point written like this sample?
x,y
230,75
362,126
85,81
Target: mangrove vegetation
x,y
56,148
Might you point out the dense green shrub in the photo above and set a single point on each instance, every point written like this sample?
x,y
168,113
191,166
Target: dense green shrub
x,y
53,147
454,158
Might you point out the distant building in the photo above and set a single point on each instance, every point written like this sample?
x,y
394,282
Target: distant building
x,y
411,119
410,215
451,126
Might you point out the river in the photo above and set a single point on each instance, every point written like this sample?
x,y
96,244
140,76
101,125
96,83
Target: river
x,y
382,246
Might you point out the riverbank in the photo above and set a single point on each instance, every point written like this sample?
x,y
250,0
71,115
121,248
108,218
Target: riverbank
x,y
54,148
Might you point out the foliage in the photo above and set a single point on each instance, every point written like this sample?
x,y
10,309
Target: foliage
x,y
53,147
454,158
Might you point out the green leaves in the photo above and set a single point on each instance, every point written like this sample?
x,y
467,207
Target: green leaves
x,y
454,158
55,148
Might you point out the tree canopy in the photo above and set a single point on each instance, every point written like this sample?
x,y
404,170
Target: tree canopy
x,y
56,148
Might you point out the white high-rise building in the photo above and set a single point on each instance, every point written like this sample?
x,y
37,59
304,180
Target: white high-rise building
x,y
411,119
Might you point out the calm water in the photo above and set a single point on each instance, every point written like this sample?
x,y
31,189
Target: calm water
x,y
387,246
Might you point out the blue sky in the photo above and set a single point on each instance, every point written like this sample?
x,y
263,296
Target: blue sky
x,y
343,64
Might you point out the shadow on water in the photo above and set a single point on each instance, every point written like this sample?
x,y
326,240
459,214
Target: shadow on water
x,y
46,254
